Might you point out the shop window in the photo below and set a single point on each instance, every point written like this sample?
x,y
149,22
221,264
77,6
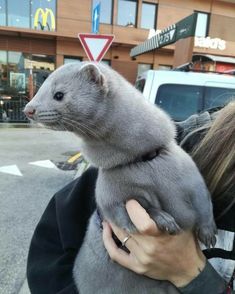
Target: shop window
x,y
43,15
165,67
68,59
106,61
148,16
106,10
3,71
127,13
17,75
2,12
18,13
142,67
42,66
140,83
36,14
15,70
202,26
21,75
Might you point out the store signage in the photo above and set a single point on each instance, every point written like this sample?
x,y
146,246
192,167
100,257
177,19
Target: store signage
x,y
182,29
163,38
153,33
44,14
167,36
95,46
186,27
207,42
96,19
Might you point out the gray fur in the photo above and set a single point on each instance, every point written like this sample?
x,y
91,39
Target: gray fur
x,y
117,126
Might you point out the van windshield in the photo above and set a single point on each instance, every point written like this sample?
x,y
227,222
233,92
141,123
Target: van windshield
x,y
179,101
215,96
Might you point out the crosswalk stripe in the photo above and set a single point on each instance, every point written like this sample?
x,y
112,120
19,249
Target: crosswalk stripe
x,y
11,169
44,163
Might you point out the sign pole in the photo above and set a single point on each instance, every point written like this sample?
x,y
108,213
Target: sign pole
x,y
96,19
95,45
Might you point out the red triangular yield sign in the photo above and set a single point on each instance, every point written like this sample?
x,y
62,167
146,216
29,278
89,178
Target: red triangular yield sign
x,y
95,45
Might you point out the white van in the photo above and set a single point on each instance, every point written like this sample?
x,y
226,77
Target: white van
x,y
182,94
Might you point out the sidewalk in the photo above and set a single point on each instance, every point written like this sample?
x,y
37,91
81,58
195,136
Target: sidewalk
x,y
4,125
25,195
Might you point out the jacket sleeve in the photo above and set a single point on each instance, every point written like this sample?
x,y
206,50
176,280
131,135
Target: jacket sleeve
x,y
192,123
208,281
190,133
53,249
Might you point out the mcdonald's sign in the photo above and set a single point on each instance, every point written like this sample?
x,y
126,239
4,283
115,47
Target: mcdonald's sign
x,y
44,14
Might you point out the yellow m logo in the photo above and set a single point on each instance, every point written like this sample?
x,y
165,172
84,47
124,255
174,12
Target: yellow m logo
x,y
44,14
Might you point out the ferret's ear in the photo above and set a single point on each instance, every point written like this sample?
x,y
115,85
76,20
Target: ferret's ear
x,y
90,72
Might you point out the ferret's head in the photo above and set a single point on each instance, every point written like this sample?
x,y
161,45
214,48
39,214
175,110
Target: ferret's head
x,y
72,98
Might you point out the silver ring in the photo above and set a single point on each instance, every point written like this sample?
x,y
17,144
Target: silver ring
x,y
125,240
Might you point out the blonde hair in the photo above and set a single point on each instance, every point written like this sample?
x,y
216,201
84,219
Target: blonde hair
x,y
215,156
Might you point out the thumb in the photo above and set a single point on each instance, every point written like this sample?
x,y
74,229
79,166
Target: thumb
x,y
141,219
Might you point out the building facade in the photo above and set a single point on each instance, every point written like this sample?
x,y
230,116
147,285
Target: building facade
x,y
37,36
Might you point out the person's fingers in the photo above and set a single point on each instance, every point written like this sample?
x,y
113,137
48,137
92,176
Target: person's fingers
x,y
130,244
141,219
115,253
140,246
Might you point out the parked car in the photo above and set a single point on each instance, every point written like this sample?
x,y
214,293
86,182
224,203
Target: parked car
x,y
182,94
229,72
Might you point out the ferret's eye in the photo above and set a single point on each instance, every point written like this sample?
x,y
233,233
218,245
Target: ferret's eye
x,y
58,96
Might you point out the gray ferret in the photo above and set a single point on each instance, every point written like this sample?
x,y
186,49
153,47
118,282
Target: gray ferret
x,y
120,131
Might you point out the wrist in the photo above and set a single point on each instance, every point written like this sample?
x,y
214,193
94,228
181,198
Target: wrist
x,y
184,277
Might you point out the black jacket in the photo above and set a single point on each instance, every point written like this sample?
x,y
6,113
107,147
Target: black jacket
x,y
60,233
58,236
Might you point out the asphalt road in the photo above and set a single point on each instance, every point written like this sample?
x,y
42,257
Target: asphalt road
x,y
25,194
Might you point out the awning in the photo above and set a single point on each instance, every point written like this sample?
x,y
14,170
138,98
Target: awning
x,y
182,29
215,58
164,38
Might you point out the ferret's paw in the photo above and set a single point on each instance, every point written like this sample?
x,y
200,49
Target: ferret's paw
x,y
118,215
166,222
130,229
206,234
126,224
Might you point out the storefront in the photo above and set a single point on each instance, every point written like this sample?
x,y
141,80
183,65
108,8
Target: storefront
x,y
20,73
23,71
29,14
37,36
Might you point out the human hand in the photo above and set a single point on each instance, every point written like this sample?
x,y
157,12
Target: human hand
x,y
153,253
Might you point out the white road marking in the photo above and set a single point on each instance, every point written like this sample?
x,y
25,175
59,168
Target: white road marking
x,y
11,169
44,163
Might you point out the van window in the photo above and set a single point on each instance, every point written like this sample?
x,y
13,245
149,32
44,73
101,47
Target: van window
x,y
179,101
140,85
215,97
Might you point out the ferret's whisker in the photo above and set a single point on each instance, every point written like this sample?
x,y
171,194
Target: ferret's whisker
x,y
81,125
96,135
60,123
74,127
91,124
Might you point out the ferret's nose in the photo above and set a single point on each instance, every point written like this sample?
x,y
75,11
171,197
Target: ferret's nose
x,y
29,112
